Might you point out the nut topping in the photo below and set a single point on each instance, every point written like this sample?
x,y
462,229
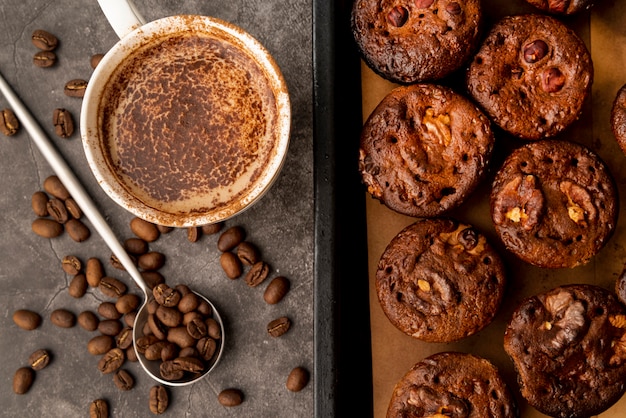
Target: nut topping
x,y
568,318
618,321
520,201
579,205
398,16
438,126
535,51
552,80
423,285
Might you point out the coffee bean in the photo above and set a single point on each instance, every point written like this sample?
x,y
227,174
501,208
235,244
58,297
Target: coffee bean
x,y
127,303
197,328
152,278
181,337
153,305
77,230
44,59
108,310
152,260
88,321
193,233
110,327
159,399
71,264
123,380
230,238
63,318
78,286
144,342
129,318
169,351
63,123
188,303
153,352
39,359
204,308
164,229
52,185
190,316
94,271
170,371
170,317
111,361
297,379
136,246
47,228
75,88
39,203
95,60
211,229
131,354
144,229
99,409
116,263
73,208
23,380
213,328
112,287
157,327
183,289
248,253
26,319
206,348
9,123
279,326
165,295
231,265
276,290
189,364
257,274
124,339
100,344
57,210
44,40
230,397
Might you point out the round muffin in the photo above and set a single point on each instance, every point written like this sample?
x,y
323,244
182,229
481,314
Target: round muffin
x,y
568,346
424,149
452,385
554,203
440,281
618,118
531,75
561,7
416,40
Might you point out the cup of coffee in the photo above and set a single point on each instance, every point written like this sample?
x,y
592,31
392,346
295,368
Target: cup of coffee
x,y
186,120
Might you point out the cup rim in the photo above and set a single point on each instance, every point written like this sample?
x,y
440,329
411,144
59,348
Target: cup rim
x,y
90,119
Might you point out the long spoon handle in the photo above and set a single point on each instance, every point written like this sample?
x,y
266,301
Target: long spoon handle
x,y
69,180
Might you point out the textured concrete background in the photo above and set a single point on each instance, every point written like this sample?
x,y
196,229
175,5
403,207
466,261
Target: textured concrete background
x,y
281,224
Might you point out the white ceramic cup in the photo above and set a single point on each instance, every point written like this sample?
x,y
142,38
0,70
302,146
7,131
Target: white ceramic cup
x,y
134,35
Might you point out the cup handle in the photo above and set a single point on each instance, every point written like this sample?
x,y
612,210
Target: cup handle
x,y
122,15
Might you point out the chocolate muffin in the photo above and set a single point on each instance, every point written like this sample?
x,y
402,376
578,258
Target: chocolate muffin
x,y
568,346
452,385
531,75
554,203
416,40
618,118
439,280
424,149
561,7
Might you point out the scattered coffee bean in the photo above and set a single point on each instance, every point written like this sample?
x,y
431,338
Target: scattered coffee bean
x,y
94,271
159,399
194,233
26,319
124,339
63,123
77,230
23,380
99,409
108,310
144,229
230,238
75,88
231,265
213,329
100,344
276,290
279,326
110,327
297,379
95,60
183,290
52,185
204,308
136,246
63,318
123,380
111,361
152,260
248,253
44,59
129,318
131,354
57,210
112,287
88,320
78,286
39,203
165,229
127,303
8,122
230,397
117,264
211,229
257,274
47,228
39,359
165,295
44,40
152,278
71,264
189,302
73,208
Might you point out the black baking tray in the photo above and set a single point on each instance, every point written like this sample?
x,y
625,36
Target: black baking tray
x,y
343,375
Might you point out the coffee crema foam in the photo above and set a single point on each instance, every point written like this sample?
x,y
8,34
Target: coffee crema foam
x,y
189,123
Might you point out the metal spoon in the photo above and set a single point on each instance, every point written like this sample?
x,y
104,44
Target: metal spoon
x,y
69,180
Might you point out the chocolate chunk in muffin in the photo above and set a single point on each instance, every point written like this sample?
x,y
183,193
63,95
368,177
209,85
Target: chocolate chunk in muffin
x,y
562,7
568,346
424,149
439,280
416,40
531,75
452,384
618,118
554,203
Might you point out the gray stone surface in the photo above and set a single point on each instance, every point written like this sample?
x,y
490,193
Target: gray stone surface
x,y
281,224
